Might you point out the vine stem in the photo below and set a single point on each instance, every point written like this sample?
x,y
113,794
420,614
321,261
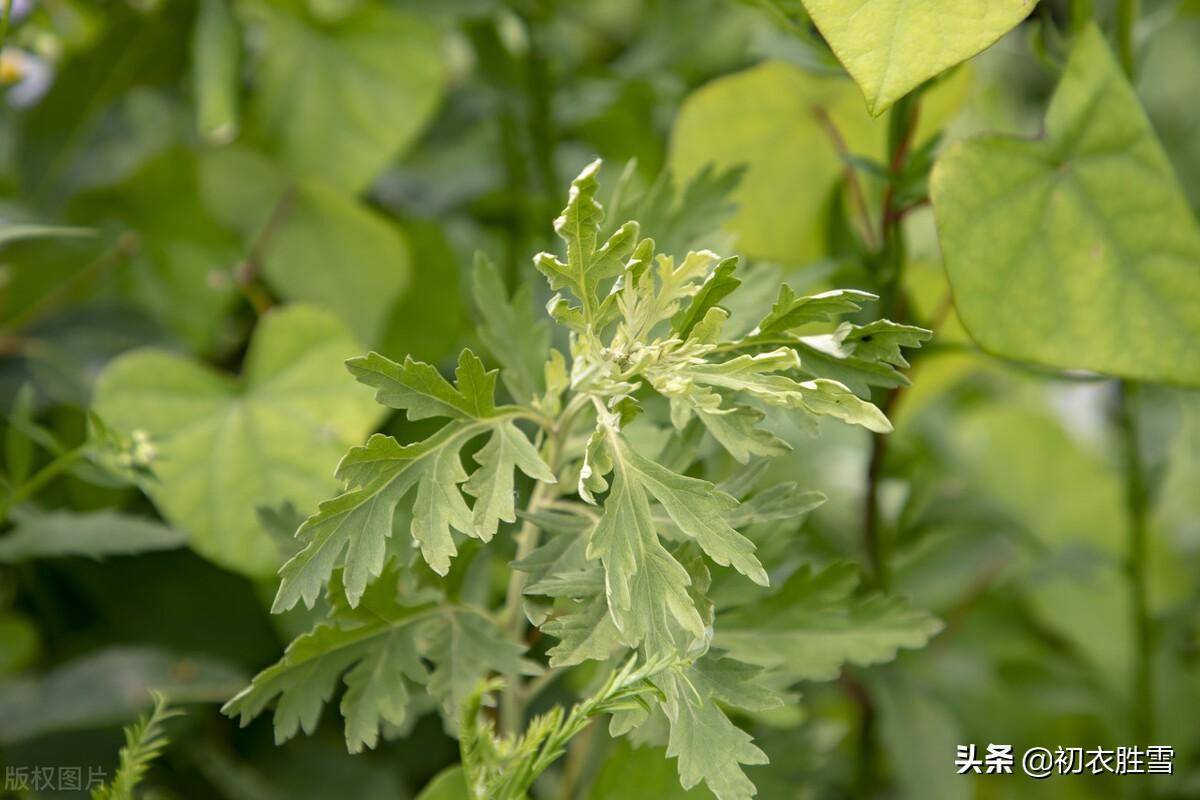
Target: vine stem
x,y
1137,503
1127,17
1137,495
41,478
902,128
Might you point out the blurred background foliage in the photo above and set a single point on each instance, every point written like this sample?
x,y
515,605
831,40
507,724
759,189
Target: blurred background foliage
x,y
215,159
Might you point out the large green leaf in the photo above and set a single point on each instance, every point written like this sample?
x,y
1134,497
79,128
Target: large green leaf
x,y
341,100
227,446
778,121
890,47
1076,249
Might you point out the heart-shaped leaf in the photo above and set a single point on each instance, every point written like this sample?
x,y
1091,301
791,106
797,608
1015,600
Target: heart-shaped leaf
x,y
229,445
1077,249
890,47
340,100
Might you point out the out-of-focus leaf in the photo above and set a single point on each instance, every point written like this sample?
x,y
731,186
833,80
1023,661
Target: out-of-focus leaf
x,y
18,446
55,534
811,626
228,445
449,784
513,335
179,256
332,251
316,244
1075,250
918,732
341,100
19,643
630,771
777,120
109,687
890,47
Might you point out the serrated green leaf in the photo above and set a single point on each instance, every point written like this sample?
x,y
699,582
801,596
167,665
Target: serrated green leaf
x,y
738,432
421,391
813,625
226,446
890,47
492,484
586,633
587,263
647,588
717,286
510,332
699,510
758,376
791,312
783,501
710,748
375,656
464,647
1076,250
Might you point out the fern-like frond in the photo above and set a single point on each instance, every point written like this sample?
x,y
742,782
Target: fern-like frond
x,y
144,742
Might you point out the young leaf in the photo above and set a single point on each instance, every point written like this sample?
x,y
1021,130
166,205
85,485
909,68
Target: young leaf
x,y
586,265
421,391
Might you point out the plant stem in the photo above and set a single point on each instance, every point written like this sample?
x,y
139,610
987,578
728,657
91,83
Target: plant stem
x,y
513,697
890,266
1127,17
1137,502
46,474
1082,12
5,14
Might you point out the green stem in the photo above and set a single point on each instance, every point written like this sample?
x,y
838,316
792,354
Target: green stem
x,y
1137,503
5,14
1082,13
514,698
1128,12
46,474
889,268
